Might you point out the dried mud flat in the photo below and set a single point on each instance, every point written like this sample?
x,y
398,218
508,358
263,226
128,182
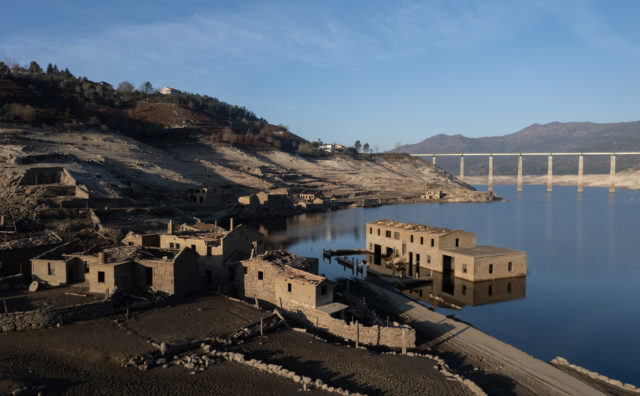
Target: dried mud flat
x,y
87,358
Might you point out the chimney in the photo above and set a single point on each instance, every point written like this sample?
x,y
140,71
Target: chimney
x,y
170,227
231,224
102,258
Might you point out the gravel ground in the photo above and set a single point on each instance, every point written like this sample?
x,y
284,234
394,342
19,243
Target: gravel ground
x,y
353,369
86,358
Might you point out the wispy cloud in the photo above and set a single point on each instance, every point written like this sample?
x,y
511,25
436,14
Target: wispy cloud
x,y
268,35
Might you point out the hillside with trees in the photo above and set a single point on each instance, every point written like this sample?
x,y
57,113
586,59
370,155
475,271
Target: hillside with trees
x,y
58,99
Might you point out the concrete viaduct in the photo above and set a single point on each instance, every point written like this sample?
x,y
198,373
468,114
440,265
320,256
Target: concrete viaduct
x,y
612,173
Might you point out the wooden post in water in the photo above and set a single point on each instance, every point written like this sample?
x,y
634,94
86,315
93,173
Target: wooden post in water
x,y
357,334
490,187
580,172
462,167
612,174
520,173
261,326
550,173
433,160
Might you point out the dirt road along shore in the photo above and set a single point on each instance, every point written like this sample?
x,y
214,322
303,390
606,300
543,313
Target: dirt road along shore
x,y
501,368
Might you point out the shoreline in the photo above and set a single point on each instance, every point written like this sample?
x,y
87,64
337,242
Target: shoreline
x,y
462,346
623,180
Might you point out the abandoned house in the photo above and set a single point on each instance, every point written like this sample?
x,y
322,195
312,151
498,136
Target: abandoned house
x,y
125,268
285,280
274,200
417,247
202,195
432,194
218,248
55,183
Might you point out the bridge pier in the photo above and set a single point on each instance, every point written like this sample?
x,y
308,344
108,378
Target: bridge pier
x,y
550,173
520,173
490,184
612,174
462,167
580,172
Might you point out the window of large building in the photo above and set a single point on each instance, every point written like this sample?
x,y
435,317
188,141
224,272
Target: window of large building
x,y
428,259
510,266
411,238
170,245
178,246
387,233
508,287
193,247
491,268
457,242
100,276
490,290
50,269
417,258
433,243
464,289
289,287
370,230
422,240
464,268
378,232
396,235
260,276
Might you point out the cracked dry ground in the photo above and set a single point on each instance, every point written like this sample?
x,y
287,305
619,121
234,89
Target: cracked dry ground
x,y
87,357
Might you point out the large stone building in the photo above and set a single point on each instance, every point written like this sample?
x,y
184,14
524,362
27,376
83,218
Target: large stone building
x,y
125,268
219,249
412,248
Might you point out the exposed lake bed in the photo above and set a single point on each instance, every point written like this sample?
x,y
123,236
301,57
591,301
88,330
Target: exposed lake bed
x,y
581,283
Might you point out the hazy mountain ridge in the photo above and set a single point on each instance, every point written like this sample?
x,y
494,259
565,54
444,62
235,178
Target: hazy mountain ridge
x,y
551,137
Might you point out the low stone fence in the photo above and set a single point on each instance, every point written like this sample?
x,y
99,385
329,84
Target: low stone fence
x,y
38,319
395,336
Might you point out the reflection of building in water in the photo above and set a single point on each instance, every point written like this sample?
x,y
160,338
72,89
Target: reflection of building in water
x,y
409,249
451,292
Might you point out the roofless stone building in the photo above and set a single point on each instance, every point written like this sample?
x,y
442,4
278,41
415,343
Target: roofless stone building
x,y
451,252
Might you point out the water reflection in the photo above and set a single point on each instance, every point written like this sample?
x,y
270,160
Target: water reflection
x,y
454,293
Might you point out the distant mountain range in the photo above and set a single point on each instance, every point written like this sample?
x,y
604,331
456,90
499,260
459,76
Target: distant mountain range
x,y
552,137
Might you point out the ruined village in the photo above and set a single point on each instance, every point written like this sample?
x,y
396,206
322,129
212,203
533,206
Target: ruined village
x,y
139,255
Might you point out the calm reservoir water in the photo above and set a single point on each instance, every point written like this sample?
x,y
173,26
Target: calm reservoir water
x,y
582,292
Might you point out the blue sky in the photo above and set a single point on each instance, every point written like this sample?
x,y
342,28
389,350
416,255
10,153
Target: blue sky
x,y
382,72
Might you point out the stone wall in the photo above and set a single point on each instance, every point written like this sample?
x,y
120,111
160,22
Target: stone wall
x,y
38,319
394,336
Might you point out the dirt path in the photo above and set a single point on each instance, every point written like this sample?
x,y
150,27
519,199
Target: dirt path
x,y
462,344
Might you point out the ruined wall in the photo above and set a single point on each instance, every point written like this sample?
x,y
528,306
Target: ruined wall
x,y
300,294
113,277
185,273
53,272
37,319
395,336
